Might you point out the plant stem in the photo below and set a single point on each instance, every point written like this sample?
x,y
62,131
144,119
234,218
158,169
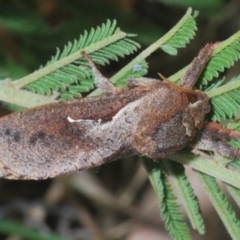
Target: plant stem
x,y
21,97
223,89
208,166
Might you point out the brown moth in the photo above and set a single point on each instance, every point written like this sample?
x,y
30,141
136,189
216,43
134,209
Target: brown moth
x,y
151,118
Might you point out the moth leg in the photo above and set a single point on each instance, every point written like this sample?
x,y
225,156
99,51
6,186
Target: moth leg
x,y
214,138
196,67
100,81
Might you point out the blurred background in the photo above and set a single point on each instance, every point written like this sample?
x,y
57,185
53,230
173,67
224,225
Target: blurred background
x,y
116,201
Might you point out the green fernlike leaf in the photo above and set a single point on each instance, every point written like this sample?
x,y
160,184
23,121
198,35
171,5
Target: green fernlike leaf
x,y
180,38
226,104
170,212
189,200
221,204
71,75
224,56
169,49
184,34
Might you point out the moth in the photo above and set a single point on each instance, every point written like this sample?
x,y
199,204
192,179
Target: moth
x,y
150,117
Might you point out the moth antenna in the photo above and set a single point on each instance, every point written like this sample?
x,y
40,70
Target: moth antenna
x,y
183,89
